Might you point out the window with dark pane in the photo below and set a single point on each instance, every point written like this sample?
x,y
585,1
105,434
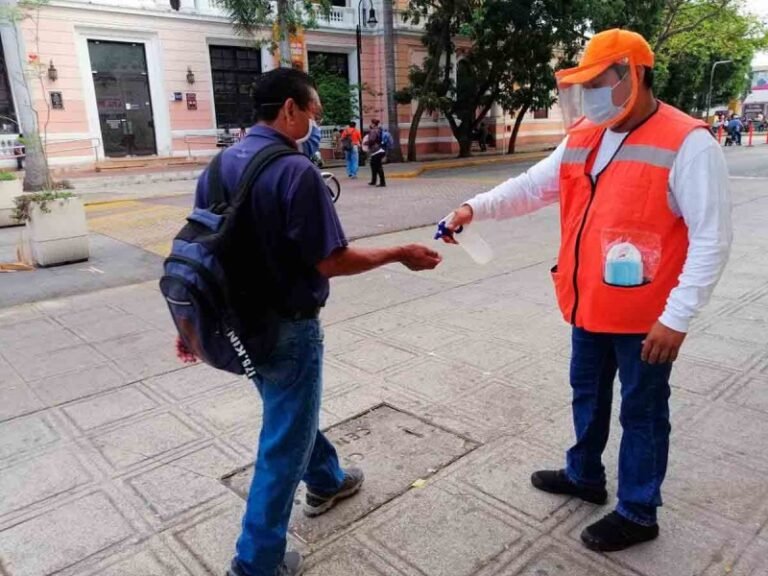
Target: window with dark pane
x,y
7,111
541,113
234,68
332,62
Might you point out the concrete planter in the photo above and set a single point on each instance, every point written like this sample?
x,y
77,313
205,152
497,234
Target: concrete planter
x,y
9,190
59,236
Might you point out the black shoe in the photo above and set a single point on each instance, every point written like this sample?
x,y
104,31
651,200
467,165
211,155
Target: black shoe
x,y
292,565
317,504
371,183
556,482
614,533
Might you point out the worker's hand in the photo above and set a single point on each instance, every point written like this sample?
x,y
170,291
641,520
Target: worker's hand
x,y
662,344
417,257
461,217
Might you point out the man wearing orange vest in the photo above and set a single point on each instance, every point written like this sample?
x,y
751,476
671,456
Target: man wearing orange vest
x,y
645,234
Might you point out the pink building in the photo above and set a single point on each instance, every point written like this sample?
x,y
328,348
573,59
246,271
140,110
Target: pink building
x,y
125,78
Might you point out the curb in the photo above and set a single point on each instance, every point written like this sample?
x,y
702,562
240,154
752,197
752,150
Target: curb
x,y
469,162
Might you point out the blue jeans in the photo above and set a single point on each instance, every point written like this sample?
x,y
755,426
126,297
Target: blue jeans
x,y
291,446
353,160
644,419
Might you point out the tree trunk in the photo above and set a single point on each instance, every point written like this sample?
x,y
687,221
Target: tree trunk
x,y
516,129
396,154
282,27
37,175
415,121
465,143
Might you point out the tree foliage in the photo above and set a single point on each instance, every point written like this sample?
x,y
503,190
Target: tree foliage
x,y
689,36
685,61
250,19
339,98
506,54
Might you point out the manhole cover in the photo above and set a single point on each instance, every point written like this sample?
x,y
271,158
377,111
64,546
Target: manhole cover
x,y
393,448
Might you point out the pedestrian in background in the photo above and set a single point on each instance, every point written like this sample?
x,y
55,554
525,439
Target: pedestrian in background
x,y
483,137
20,152
735,128
377,152
645,235
350,144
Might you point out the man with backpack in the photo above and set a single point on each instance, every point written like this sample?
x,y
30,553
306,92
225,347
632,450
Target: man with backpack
x,y
378,151
264,221
350,144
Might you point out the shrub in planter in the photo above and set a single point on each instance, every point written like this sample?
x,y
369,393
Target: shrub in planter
x,y
55,228
10,189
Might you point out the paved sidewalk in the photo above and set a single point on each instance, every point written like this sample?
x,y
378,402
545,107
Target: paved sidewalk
x,y
117,461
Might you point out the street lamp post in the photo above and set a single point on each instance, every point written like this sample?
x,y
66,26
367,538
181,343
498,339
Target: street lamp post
x,y
711,79
370,22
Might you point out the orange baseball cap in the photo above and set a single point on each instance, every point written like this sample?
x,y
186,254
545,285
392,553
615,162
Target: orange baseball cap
x,y
605,49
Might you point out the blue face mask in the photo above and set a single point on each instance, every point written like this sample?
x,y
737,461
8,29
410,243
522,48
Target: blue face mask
x,y
311,144
598,104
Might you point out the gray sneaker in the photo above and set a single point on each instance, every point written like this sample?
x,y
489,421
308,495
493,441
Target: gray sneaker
x,y
293,565
317,504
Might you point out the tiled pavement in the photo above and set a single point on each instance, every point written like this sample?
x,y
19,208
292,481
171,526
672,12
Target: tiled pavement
x,y
112,454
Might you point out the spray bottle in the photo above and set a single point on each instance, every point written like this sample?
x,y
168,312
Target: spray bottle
x,y
471,241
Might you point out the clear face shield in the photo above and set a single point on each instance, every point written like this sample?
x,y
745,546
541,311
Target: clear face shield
x,y
599,95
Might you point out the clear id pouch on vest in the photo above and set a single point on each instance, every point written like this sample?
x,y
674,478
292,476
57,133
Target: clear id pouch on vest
x,y
630,257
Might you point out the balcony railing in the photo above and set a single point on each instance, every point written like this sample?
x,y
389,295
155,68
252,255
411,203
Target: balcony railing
x,y
339,17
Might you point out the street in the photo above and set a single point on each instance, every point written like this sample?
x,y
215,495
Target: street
x,y
448,387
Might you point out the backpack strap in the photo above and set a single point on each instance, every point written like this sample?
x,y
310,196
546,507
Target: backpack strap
x,y
256,166
217,197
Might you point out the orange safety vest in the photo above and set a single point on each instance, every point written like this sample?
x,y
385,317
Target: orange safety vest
x,y
627,201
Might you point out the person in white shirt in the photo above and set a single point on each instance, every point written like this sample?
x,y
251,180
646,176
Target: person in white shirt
x,y
645,235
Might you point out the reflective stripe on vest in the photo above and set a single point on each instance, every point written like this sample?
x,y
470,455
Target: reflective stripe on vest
x,y
653,155
575,156
659,157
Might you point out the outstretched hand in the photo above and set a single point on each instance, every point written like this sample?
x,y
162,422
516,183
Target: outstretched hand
x,y
417,257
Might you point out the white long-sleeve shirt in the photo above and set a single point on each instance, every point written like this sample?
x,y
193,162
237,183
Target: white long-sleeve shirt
x,y
698,191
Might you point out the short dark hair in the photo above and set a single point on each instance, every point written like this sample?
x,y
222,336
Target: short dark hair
x,y
353,124
648,78
271,89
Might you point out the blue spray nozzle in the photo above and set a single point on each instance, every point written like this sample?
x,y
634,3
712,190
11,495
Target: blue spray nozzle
x,y
443,230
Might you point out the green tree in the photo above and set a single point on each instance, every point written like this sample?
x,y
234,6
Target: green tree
x,y
642,16
430,82
252,18
37,175
513,46
684,62
339,98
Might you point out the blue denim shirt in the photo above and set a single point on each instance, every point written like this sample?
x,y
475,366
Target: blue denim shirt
x,y
308,229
